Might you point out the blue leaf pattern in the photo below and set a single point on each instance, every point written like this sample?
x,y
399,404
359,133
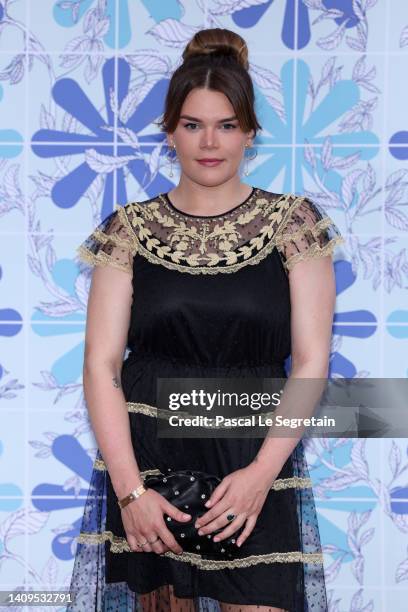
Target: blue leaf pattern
x,y
81,87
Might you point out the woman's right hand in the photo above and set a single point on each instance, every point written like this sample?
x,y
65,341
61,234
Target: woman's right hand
x,y
143,520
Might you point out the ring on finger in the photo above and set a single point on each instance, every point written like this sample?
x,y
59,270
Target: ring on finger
x,y
231,516
218,536
140,545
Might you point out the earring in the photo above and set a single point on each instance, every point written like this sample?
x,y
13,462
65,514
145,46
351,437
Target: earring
x,y
170,159
249,158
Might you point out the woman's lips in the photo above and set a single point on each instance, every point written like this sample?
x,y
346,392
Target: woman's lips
x,y
210,163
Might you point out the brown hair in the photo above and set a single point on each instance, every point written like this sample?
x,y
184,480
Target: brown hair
x,y
215,59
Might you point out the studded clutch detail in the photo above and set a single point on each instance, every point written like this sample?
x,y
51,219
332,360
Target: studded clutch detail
x,y
188,490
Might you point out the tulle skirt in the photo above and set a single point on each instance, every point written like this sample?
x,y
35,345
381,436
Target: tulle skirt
x,y
108,577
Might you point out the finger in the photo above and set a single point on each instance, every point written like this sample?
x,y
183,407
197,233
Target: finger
x,y
157,545
217,494
231,528
250,524
214,513
132,541
175,513
220,519
169,540
144,547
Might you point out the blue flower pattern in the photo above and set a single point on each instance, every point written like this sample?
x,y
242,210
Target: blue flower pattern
x,y
316,138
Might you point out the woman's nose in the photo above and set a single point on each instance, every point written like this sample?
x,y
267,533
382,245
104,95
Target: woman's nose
x,y
209,138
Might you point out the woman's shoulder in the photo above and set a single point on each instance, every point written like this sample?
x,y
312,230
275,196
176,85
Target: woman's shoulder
x,y
140,205
112,242
305,231
289,200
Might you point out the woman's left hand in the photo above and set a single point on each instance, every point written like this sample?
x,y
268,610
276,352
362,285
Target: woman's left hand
x,y
243,493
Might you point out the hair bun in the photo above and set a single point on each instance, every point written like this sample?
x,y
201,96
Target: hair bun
x,y
218,41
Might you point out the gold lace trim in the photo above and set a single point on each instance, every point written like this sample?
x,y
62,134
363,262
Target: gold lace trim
x,y
263,243
149,410
161,413
101,258
146,409
279,484
226,232
152,472
292,482
100,465
103,238
120,545
314,251
304,229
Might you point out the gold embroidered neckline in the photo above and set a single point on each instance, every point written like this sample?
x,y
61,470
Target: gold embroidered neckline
x,y
164,197
212,244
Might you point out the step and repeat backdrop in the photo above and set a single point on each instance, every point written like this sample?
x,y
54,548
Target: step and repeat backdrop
x,y
81,84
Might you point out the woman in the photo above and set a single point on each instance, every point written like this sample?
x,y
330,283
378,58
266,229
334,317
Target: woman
x,y
212,279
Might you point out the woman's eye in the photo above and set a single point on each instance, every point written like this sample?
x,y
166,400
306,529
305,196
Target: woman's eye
x,y
231,125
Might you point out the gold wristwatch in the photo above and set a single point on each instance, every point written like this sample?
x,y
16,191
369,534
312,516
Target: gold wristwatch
x,y
132,496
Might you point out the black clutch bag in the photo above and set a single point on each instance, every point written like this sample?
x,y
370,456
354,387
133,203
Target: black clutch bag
x,y
189,490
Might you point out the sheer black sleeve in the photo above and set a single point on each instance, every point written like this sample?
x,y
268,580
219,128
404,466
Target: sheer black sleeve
x,y
112,243
307,233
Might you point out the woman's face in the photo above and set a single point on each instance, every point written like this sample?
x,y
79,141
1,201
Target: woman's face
x,y
207,129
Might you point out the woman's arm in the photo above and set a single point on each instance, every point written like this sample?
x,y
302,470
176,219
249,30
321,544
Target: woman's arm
x,y
107,325
313,296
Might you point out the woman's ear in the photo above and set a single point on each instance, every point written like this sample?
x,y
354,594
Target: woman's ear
x,y
250,136
170,141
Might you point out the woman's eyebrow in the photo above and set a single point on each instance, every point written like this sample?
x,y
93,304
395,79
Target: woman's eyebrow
x,y
199,120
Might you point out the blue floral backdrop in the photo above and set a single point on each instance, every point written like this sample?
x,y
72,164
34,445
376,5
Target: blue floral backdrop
x,y
81,83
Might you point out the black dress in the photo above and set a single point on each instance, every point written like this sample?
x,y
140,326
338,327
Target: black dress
x,y
211,299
